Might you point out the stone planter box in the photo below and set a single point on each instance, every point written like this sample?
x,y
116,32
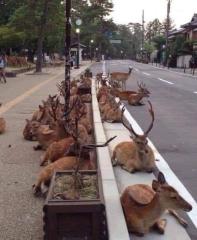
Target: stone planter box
x,y
75,219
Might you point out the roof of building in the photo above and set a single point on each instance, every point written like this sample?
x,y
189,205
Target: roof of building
x,y
192,24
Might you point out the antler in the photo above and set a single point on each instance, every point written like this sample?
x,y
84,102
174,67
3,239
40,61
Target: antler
x,y
152,116
130,128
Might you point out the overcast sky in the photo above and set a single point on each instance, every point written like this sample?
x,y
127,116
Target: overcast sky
x,y
126,11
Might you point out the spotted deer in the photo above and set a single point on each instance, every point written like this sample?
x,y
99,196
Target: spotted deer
x,y
135,155
143,206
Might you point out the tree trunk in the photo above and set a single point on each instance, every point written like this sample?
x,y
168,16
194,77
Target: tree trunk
x,y
41,37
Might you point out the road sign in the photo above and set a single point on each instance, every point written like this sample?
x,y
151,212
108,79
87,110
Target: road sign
x,y
115,41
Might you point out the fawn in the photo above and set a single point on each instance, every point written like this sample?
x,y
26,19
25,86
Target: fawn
x,y
143,205
135,155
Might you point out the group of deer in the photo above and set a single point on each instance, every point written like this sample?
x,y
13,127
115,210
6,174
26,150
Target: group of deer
x,y
2,123
58,137
143,206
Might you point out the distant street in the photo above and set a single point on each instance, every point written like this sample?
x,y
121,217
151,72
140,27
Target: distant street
x,y
174,97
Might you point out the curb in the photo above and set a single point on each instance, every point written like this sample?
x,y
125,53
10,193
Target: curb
x,y
117,227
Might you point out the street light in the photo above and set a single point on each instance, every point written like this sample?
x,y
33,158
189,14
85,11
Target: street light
x,y
78,46
91,42
67,6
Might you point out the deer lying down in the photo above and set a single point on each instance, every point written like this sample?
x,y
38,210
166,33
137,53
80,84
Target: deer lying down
x,y
65,163
56,150
143,206
2,125
135,155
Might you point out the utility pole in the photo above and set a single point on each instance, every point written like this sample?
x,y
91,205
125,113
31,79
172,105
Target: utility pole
x,y
143,29
167,26
67,53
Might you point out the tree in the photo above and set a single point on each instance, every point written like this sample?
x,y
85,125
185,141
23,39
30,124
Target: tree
x,y
37,20
153,29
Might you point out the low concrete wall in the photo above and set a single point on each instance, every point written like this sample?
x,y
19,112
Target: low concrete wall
x,y
115,218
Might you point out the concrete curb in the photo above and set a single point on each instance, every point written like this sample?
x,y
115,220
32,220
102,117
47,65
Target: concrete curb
x,y
115,217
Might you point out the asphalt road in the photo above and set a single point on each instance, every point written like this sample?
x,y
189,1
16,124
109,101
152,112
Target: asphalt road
x,y
174,98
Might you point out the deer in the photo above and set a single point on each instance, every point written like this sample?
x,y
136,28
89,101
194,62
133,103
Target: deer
x,y
135,99
64,163
127,95
143,206
135,155
56,150
2,125
120,77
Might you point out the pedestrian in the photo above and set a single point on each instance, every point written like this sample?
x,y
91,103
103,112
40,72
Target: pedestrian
x,y
2,68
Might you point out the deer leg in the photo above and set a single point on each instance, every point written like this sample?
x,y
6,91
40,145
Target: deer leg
x,y
160,225
129,167
37,147
114,160
182,221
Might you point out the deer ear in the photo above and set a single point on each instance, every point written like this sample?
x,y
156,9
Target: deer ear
x,y
161,178
155,185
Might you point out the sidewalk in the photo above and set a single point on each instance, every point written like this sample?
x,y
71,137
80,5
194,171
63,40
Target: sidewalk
x,y
20,212
188,71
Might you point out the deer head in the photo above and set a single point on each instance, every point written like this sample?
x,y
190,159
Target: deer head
x,y
140,140
143,90
168,195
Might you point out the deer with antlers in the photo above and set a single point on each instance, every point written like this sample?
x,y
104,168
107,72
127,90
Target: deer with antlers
x,y
120,77
143,206
135,155
135,99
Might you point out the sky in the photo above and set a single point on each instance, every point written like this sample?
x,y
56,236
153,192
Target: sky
x,y
126,11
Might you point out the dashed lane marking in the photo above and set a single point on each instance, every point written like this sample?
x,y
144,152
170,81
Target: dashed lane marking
x,y
163,80
147,74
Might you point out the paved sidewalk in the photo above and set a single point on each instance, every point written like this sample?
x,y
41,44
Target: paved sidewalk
x,y
20,211
188,71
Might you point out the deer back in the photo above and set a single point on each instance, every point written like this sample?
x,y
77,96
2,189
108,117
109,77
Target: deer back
x,y
2,125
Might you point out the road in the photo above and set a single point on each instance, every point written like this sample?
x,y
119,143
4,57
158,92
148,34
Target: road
x,y
174,97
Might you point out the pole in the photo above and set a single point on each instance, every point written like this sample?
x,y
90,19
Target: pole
x,y
67,53
167,27
143,29
78,49
91,52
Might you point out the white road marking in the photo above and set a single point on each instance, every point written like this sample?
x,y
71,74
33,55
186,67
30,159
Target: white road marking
x,y
104,69
195,92
137,70
163,80
147,74
170,176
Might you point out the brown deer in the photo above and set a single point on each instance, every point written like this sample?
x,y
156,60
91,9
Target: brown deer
x,y
2,125
135,155
120,77
135,99
65,163
56,150
143,206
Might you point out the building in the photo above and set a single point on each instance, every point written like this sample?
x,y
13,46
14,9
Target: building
x,y
189,33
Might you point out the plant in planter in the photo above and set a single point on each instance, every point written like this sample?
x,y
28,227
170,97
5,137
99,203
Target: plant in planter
x,y
74,208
